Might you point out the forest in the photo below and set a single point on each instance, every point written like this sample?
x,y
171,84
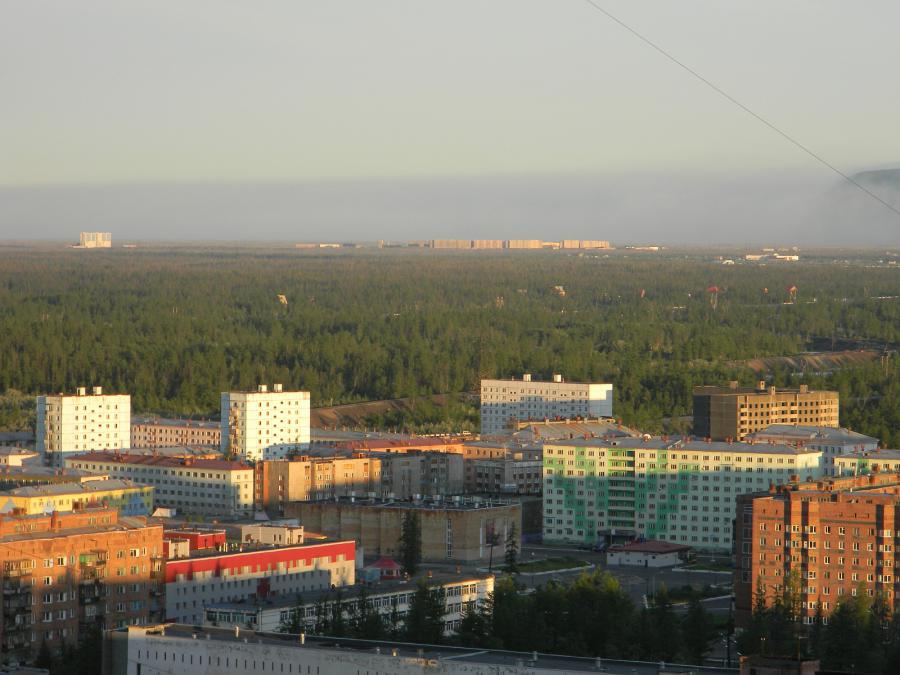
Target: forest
x,y
175,327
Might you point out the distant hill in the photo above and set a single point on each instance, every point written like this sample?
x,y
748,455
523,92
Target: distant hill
x,y
887,178
848,215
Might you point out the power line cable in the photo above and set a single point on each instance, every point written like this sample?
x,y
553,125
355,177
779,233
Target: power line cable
x,y
743,107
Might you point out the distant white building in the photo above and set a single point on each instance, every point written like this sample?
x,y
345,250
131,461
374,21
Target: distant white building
x,y
80,422
503,402
265,424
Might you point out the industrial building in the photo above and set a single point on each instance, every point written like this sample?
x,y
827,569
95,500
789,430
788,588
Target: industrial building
x,y
64,572
205,487
504,403
264,424
675,490
733,412
832,539
80,422
459,529
155,432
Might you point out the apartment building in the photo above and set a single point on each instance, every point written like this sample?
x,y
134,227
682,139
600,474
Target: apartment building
x,y
129,498
302,478
416,473
514,474
832,441
864,462
65,572
828,540
680,491
208,576
506,402
460,529
72,423
264,424
203,487
459,593
733,412
155,432
584,243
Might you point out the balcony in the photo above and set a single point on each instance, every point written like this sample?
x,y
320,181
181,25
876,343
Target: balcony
x,y
90,592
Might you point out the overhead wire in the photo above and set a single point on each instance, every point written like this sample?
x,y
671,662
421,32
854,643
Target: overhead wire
x,y
716,88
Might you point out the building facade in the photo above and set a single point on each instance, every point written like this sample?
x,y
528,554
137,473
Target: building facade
x,y
127,497
505,402
825,541
864,462
210,577
302,478
64,572
456,530
733,412
458,593
95,240
205,487
82,422
405,475
155,432
264,424
683,492
832,441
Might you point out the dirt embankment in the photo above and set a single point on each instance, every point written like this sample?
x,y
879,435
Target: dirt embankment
x,y
353,415
812,361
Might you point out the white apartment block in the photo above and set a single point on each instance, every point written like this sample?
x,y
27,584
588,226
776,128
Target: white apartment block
x,y
72,423
834,442
505,401
201,487
265,424
683,492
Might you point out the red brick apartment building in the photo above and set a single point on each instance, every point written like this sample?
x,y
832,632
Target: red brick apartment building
x,y
66,571
838,535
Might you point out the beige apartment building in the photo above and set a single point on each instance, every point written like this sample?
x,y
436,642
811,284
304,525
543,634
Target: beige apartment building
x,y
278,482
155,432
80,422
504,403
732,412
95,240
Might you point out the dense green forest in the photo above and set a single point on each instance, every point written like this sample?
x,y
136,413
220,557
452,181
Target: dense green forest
x,y
175,328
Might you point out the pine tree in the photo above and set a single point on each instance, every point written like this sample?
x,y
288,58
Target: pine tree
x,y
698,631
425,618
512,550
410,546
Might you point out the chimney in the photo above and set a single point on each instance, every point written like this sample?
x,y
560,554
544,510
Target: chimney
x,y
733,384
262,389
804,388
277,387
772,390
98,391
81,391
526,377
557,377
761,385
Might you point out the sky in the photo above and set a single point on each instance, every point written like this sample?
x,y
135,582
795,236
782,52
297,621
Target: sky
x,y
416,119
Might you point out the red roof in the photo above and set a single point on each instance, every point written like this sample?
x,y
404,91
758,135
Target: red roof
x,y
385,563
651,546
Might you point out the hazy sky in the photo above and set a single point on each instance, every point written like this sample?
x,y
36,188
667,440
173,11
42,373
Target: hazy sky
x,y
473,95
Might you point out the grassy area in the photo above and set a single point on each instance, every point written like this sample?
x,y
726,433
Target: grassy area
x,y
551,565
685,593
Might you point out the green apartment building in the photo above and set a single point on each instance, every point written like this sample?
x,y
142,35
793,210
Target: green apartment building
x,y
677,490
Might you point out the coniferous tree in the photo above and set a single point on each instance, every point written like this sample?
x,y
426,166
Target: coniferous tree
x,y
512,550
698,631
410,546
425,618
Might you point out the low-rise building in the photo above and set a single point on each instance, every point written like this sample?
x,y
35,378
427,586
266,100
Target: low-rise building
x,y
245,573
31,474
459,593
826,540
207,487
864,462
519,472
453,530
64,572
157,432
832,441
646,554
14,456
676,490
130,498
272,534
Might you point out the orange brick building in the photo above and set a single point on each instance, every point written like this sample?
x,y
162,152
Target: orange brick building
x,y
64,572
835,537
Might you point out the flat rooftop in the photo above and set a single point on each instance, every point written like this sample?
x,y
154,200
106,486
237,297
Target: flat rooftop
x,y
812,433
679,444
465,503
73,488
473,656
872,455
176,422
717,390
160,460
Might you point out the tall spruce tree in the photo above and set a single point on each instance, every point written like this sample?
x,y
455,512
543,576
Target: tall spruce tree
x,y
410,542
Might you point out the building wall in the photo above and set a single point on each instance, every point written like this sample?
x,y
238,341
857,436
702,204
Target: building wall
x,y
301,479
522,400
448,534
264,424
820,538
82,422
57,583
721,414
636,559
673,491
95,240
192,486
172,433
505,475
132,500
421,473
195,582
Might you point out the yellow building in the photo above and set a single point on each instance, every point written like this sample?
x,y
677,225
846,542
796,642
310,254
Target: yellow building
x,y
130,499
